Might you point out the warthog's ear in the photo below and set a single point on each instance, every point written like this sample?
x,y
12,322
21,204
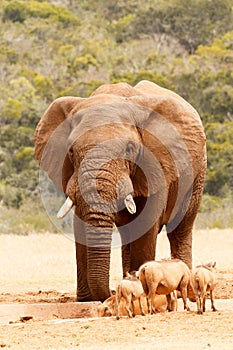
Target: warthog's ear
x,y
133,273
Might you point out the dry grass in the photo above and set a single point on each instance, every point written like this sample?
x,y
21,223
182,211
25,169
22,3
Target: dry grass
x,y
47,260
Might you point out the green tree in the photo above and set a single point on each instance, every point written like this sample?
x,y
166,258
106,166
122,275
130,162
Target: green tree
x,y
13,110
193,23
15,12
220,158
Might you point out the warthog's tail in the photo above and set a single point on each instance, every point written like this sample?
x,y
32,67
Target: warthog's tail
x,y
190,292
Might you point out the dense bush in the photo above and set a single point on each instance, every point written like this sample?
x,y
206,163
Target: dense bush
x,y
47,52
15,12
19,11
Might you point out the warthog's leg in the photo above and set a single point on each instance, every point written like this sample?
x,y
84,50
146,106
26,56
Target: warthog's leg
x,y
141,307
203,297
150,302
199,307
128,305
212,300
198,300
174,300
169,302
183,291
151,296
133,308
203,304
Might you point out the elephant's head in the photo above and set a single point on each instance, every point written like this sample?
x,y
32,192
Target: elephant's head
x,y
101,152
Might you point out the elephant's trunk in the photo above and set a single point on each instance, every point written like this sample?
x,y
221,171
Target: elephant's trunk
x,y
98,232
102,194
98,259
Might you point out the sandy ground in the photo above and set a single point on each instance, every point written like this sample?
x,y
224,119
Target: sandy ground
x,y
42,268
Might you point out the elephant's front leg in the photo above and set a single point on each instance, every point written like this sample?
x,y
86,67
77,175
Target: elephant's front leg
x,y
83,291
143,249
126,265
181,244
138,234
138,251
181,226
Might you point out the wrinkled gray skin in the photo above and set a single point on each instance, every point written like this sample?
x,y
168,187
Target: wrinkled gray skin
x,y
145,141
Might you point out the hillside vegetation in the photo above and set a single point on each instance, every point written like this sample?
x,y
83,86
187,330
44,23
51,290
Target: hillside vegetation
x,y
54,48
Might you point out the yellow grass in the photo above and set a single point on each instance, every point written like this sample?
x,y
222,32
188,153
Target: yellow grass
x,y
47,261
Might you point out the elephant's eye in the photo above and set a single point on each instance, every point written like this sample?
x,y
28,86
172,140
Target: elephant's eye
x,y
129,149
71,153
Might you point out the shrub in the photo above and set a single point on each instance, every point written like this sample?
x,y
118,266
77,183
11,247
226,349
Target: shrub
x,y
29,218
84,62
23,157
134,78
13,110
19,11
43,85
11,197
47,10
15,12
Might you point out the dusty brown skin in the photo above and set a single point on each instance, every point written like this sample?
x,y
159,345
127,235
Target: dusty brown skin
x,y
108,307
145,141
130,288
204,280
164,277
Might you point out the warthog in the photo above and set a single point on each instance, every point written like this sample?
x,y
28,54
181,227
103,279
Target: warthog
x,y
165,277
203,281
130,288
108,307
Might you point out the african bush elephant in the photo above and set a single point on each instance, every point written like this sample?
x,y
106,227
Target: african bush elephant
x,y
130,156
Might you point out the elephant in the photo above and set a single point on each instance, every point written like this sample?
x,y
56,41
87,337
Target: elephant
x,y
130,157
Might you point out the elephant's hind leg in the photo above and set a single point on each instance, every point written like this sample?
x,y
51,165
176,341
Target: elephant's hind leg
x,y
180,227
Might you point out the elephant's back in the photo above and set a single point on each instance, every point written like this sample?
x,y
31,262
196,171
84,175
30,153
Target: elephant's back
x,y
118,89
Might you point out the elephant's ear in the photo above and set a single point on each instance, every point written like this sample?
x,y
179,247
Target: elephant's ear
x,y
173,143
50,140
155,165
149,88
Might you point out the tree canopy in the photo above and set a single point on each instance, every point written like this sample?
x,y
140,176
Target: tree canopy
x,y
55,48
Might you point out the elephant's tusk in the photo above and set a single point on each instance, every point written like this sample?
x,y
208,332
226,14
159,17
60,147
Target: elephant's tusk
x,y
65,208
130,204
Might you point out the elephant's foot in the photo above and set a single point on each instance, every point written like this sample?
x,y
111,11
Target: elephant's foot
x,y
85,299
89,297
84,296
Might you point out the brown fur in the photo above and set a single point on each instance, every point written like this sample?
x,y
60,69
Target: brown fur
x,y
203,281
108,307
165,277
130,288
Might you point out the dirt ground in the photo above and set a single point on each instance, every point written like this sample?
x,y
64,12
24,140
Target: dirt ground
x,y
41,268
